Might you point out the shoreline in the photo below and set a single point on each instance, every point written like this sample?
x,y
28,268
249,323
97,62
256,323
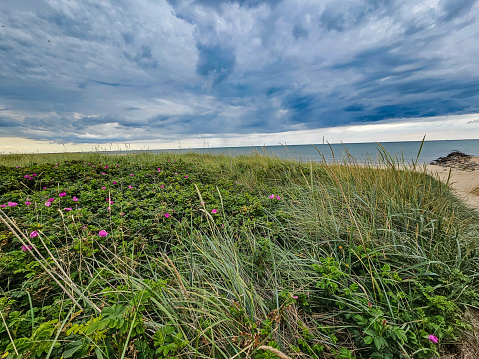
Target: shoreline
x,y
464,183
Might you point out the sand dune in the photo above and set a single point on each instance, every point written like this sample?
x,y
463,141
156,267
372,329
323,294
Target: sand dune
x,y
464,183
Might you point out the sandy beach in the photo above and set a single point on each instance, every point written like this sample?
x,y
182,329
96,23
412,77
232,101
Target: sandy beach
x,y
464,183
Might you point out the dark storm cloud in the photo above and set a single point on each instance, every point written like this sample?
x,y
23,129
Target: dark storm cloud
x,y
103,71
215,61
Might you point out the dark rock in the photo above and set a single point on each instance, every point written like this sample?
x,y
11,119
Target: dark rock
x,y
456,159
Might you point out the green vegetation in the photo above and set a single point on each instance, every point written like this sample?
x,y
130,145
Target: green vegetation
x,y
200,256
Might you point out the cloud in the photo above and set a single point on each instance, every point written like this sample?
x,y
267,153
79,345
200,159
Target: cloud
x,y
158,70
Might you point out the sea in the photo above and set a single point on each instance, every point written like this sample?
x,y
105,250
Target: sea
x,y
405,152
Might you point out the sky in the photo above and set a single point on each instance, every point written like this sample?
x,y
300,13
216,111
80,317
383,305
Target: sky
x,y
146,74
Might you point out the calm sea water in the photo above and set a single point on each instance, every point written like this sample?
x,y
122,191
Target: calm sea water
x,y
361,152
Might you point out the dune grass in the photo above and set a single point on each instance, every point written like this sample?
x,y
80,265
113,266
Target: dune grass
x,y
220,257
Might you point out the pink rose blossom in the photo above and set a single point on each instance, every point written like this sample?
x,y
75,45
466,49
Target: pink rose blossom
x,y
295,297
51,199
278,198
68,209
63,194
103,188
106,166
75,199
33,234
28,203
433,339
130,186
214,211
26,176
272,196
103,233
48,204
26,248
12,204
44,188
114,182
3,205
103,173
167,215
162,186
131,174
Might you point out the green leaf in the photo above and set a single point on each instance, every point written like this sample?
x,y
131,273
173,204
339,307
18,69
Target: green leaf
x,y
93,327
72,348
98,353
380,342
368,340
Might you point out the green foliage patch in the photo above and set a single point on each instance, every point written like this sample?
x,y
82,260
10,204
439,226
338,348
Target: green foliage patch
x,y
176,256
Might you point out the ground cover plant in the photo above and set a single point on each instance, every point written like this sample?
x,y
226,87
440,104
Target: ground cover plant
x,y
201,256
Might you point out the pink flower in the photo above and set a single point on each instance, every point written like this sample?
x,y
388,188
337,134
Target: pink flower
x,y
63,194
44,188
3,205
272,196
34,174
433,339
26,176
131,174
26,248
370,305
33,234
12,204
114,182
17,166
48,203
103,188
278,198
108,209
167,215
202,203
162,186
117,165
75,199
28,203
186,176
68,209
214,211
103,173
103,233
130,186
295,297
106,166
51,199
